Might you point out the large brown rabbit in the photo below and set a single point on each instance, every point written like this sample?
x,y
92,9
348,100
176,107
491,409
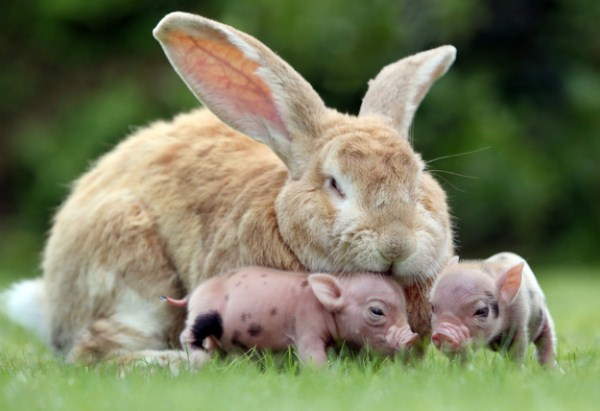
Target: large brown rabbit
x,y
269,176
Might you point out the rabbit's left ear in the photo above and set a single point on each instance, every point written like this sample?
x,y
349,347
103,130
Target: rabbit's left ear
x,y
243,82
400,87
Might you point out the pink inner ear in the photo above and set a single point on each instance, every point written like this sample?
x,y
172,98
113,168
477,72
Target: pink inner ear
x,y
226,80
512,282
326,290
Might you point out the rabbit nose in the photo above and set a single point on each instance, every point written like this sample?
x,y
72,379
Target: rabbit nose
x,y
397,249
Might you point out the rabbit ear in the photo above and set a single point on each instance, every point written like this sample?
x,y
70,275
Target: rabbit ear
x,y
241,80
400,87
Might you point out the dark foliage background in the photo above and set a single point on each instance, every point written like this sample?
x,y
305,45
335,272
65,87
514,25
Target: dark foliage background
x,y
77,76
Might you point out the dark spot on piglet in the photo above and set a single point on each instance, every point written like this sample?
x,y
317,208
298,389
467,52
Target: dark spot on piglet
x,y
263,275
226,297
238,283
273,311
254,330
206,325
245,316
304,283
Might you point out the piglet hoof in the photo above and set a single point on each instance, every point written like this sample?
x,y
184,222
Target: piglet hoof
x,y
173,301
553,366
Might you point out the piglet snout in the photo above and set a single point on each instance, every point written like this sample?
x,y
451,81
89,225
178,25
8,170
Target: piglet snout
x,y
401,337
450,337
444,341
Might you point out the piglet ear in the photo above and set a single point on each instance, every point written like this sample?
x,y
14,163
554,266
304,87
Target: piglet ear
x,y
510,283
328,291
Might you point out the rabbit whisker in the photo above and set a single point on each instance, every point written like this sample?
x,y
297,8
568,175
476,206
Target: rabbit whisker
x,y
452,173
450,184
458,154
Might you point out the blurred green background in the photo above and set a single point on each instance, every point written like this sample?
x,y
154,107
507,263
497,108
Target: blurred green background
x,y
77,76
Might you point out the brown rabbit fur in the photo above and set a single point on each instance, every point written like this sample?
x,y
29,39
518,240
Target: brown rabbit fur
x,y
180,201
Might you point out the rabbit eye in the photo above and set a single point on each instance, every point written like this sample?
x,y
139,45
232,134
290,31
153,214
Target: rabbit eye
x,y
376,311
333,184
482,312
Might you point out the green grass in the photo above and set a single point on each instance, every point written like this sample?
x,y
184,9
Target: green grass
x,y
31,378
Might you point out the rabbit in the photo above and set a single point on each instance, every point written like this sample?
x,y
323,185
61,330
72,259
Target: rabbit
x,y
264,175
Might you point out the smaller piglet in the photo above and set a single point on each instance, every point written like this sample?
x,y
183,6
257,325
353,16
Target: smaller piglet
x,y
497,302
272,309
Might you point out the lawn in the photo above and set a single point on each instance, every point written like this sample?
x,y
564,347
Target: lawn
x,y
31,378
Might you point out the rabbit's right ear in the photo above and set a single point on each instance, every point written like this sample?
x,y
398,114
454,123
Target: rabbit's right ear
x,y
244,83
399,88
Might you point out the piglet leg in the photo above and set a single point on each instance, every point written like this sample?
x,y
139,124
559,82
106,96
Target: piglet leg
x,y
546,345
518,348
312,351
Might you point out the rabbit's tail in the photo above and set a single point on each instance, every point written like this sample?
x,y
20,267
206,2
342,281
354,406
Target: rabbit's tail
x,y
24,302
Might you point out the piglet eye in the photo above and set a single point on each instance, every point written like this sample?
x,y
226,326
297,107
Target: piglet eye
x,y
482,312
376,311
333,184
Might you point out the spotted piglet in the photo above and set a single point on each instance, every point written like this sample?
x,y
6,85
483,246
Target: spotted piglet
x,y
272,309
497,302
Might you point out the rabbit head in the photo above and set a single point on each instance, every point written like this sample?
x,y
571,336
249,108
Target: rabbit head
x,y
358,197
